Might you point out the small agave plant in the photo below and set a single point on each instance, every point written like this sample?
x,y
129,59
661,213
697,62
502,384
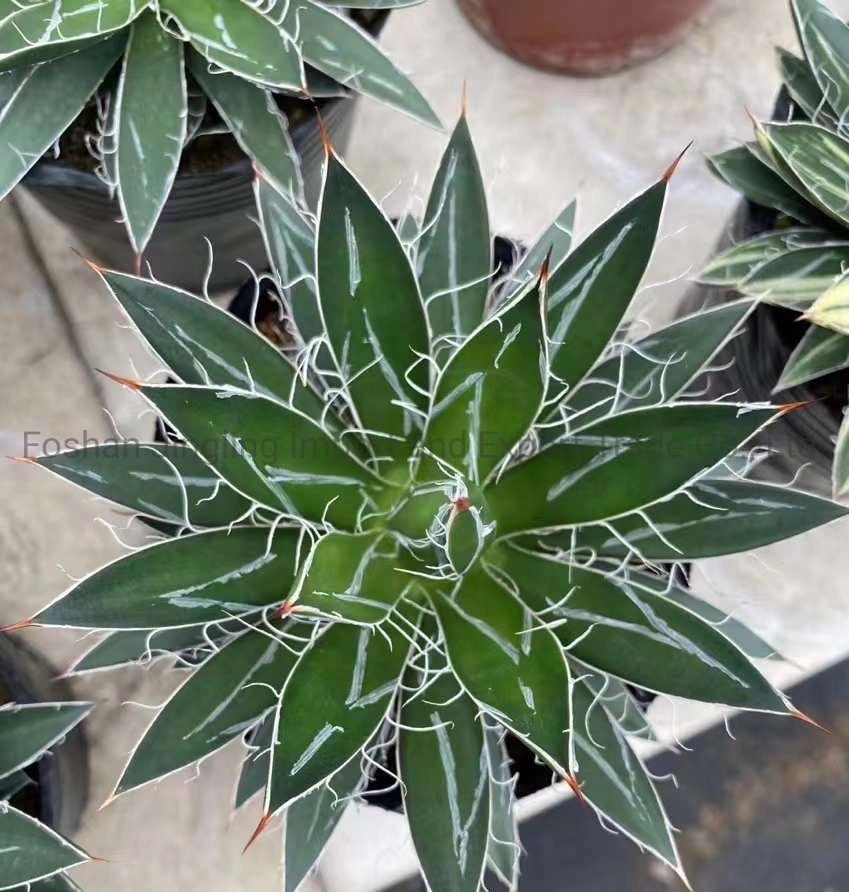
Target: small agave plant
x,y
797,167
448,515
33,856
157,65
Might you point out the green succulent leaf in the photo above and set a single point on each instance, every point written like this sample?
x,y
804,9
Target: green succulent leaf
x,y
334,702
820,352
144,646
169,482
614,781
445,772
719,517
620,464
804,89
238,38
10,81
733,268
590,291
620,704
12,784
752,644
504,849
42,31
152,111
203,344
27,731
290,243
455,250
190,581
555,243
269,452
657,368
491,391
220,700
825,40
755,179
254,773
354,578
31,851
628,630
255,121
46,102
513,671
311,820
372,310
798,277
831,309
196,109
816,158
465,538
338,47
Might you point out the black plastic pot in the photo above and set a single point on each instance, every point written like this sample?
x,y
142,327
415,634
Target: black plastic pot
x,y
61,778
758,355
218,206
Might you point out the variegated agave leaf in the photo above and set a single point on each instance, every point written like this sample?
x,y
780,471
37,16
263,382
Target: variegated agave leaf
x,y
429,526
169,57
31,854
797,167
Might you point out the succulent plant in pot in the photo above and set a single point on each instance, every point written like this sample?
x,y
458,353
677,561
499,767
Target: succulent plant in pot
x,y
792,240
137,90
431,525
32,855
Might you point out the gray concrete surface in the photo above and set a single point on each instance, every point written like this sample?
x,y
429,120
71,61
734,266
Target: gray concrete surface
x,y
542,139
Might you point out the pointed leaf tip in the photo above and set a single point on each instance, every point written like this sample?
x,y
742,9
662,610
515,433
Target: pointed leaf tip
x,y
575,787
107,802
545,269
264,821
93,859
125,382
792,407
325,136
670,171
91,264
800,716
137,264
462,504
464,96
22,458
16,627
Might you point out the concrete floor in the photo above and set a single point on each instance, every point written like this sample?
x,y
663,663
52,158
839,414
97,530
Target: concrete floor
x,y
542,139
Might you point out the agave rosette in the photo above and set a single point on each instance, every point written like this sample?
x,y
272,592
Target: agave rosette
x,y
158,66
797,167
446,515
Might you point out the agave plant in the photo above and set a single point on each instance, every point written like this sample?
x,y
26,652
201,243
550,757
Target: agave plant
x,y
797,167
32,856
448,515
157,65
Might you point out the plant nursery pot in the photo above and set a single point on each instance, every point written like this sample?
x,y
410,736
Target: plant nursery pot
x,y
59,790
588,37
216,204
